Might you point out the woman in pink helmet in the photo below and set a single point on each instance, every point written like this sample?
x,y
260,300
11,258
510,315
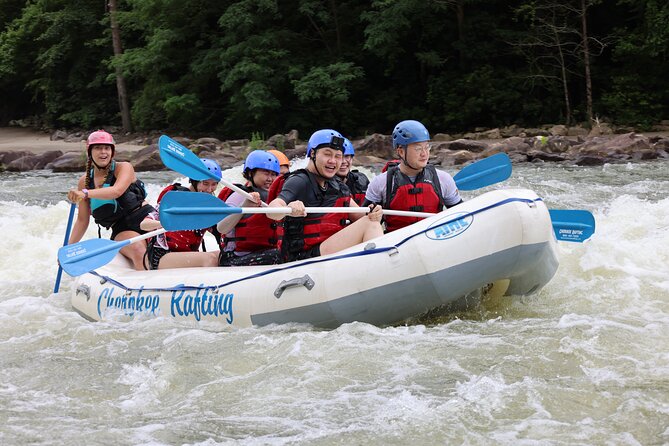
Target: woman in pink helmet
x,y
110,192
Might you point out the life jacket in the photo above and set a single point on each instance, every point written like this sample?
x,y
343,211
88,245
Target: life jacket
x,y
108,212
186,240
357,183
301,234
255,232
422,195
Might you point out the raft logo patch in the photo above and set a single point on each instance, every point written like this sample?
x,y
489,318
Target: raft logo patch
x,y
451,226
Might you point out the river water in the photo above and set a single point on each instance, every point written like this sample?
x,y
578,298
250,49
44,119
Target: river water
x,y
584,361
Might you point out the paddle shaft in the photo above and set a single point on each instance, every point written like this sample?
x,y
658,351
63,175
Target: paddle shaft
x,y
240,191
70,219
223,211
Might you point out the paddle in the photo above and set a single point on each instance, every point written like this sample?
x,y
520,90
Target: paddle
x,y
67,236
180,159
572,225
82,257
197,210
480,174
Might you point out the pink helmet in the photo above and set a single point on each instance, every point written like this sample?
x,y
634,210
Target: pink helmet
x,y
100,137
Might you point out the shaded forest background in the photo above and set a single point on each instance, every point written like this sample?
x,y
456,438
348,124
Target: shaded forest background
x,y
235,67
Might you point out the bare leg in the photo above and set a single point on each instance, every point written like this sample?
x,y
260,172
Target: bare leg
x,y
359,231
134,251
188,259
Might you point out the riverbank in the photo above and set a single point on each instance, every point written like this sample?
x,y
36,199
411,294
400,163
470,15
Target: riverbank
x,y
23,149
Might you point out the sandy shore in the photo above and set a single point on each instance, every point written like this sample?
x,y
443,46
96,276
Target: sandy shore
x,y
34,141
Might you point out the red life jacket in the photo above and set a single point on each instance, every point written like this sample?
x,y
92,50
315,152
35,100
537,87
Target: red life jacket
x,y
423,195
254,232
181,241
301,234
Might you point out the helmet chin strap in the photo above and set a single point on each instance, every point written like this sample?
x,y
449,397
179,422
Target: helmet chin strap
x,y
406,152
313,159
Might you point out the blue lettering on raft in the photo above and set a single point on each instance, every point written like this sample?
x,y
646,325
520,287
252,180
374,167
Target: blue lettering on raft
x,y
129,302
453,226
205,302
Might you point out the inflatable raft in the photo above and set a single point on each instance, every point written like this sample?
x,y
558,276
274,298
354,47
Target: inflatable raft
x,y
502,240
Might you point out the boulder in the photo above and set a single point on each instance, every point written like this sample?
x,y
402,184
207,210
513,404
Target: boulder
x,y
68,162
376,145
558,130
22,164
148,159
466,144
8,157
441,137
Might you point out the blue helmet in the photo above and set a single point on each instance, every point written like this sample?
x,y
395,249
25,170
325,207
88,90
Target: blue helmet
x,y
325,138
407,132
260,159
348,147
213,167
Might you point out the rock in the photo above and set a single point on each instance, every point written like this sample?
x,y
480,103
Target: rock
x,y
544,156
600,128
577,131
68,162
58,135
513,144
208,141
491,134
441,137
465,144
558,130
551,144
47,157
588,160
376,145
23,164
148,159
8,157
534,132
281,142
511,131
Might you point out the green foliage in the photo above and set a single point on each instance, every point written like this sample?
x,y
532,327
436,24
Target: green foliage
x,y
257,141
237,67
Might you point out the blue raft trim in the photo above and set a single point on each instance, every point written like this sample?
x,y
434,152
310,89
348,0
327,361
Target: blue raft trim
x,y
318,259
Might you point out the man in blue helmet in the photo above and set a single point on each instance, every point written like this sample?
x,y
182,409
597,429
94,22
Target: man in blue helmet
x,y
306,236
413,185
250,239
356,181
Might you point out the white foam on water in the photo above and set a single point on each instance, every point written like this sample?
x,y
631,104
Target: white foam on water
x,y
581,362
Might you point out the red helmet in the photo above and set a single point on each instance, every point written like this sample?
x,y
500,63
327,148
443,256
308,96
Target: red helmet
x,y
99,137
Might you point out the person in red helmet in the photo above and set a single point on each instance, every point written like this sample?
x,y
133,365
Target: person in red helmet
x,y
110,192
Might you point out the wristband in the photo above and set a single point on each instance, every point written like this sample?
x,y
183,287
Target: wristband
x,y
85,191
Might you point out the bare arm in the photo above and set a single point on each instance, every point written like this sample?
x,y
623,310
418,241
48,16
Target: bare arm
x,y
125,174
83,214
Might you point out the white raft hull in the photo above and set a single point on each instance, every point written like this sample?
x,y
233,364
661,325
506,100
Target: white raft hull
x,y
503,238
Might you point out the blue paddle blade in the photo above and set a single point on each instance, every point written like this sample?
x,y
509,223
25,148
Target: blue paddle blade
x,y
572,225
180,159
192,210
82,257
483,173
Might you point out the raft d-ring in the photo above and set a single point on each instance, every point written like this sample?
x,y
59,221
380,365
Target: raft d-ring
x,y
532,204
103,280
304,281
393,251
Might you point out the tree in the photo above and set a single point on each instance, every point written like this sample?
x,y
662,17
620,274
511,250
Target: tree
x,y
120,79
